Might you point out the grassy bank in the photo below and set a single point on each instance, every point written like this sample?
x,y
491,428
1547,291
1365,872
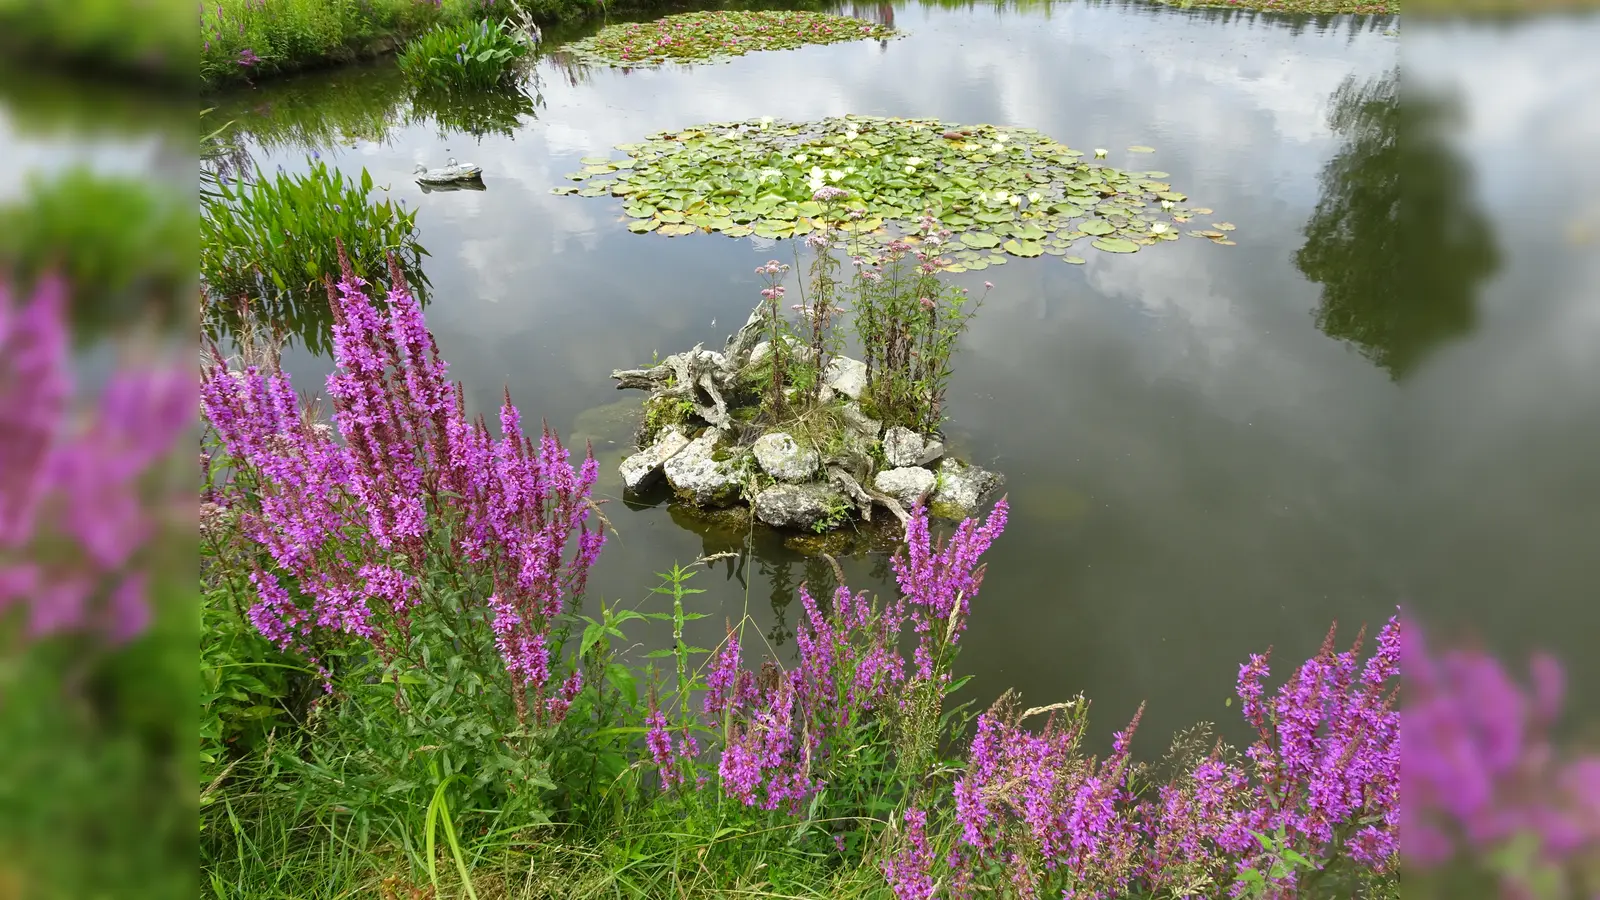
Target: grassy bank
x,y
247,40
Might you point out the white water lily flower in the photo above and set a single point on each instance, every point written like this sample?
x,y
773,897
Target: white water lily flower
x,y
999,195
1035,197
1002,137
997,148
1158,228
835,174
766,122
914,161
816,173
1166,204
1100,153
1014,200
911,170
800,157
851,135
827,151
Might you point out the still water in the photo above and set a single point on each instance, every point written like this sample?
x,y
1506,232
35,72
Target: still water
x,y
1209,450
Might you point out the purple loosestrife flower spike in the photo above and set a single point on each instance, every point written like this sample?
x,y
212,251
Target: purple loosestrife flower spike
x,y
908,872
354,521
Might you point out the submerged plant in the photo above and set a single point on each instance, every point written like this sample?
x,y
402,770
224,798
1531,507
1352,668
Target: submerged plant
x,y
1002,191
715,35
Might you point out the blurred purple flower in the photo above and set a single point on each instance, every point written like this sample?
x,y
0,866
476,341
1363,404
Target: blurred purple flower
x,y
1479,769
77,488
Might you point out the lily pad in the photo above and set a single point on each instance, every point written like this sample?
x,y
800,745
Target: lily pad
x,y
719,35
640,226
1075,260
1023,248
1140,148
1223,226
768,176
1115,245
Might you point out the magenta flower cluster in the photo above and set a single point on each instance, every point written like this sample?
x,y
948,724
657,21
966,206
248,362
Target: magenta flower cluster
x,y
1323,773
780,727
75,524
354,525
1480,769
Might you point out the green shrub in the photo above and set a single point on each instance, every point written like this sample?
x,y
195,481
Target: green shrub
x,y
246,39
152,41
125,246
273,239
463,57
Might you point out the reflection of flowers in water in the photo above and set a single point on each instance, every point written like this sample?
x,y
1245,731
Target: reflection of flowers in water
x,y
1482,782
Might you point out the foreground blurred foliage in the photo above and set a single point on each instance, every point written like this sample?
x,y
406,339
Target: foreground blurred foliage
x,y
124,244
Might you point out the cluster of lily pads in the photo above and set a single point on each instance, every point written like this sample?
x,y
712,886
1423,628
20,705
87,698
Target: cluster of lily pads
x,y
1000,191
719,35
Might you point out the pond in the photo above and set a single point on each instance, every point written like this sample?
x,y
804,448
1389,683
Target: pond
x,y
1208,449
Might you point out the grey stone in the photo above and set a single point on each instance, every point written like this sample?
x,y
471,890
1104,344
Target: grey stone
x,y
909,484
961,486
846,376
782,457
799,505
904,447
763,350
699,478
859,422
644,468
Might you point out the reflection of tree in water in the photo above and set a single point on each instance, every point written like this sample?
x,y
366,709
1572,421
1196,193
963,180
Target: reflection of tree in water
x,y
479,113
1398,277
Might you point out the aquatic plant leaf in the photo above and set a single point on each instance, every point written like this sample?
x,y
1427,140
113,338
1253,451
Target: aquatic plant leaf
x,y
1075,260
765,175
718,36
1222,226
1140,148
1115,245
640,226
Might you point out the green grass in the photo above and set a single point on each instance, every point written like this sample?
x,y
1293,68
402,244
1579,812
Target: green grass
x,y
255,39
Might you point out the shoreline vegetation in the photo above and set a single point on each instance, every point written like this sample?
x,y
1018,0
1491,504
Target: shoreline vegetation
x,y
1295,7
408,693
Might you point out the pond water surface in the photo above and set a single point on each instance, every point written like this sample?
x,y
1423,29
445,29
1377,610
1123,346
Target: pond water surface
x,y
1208,449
